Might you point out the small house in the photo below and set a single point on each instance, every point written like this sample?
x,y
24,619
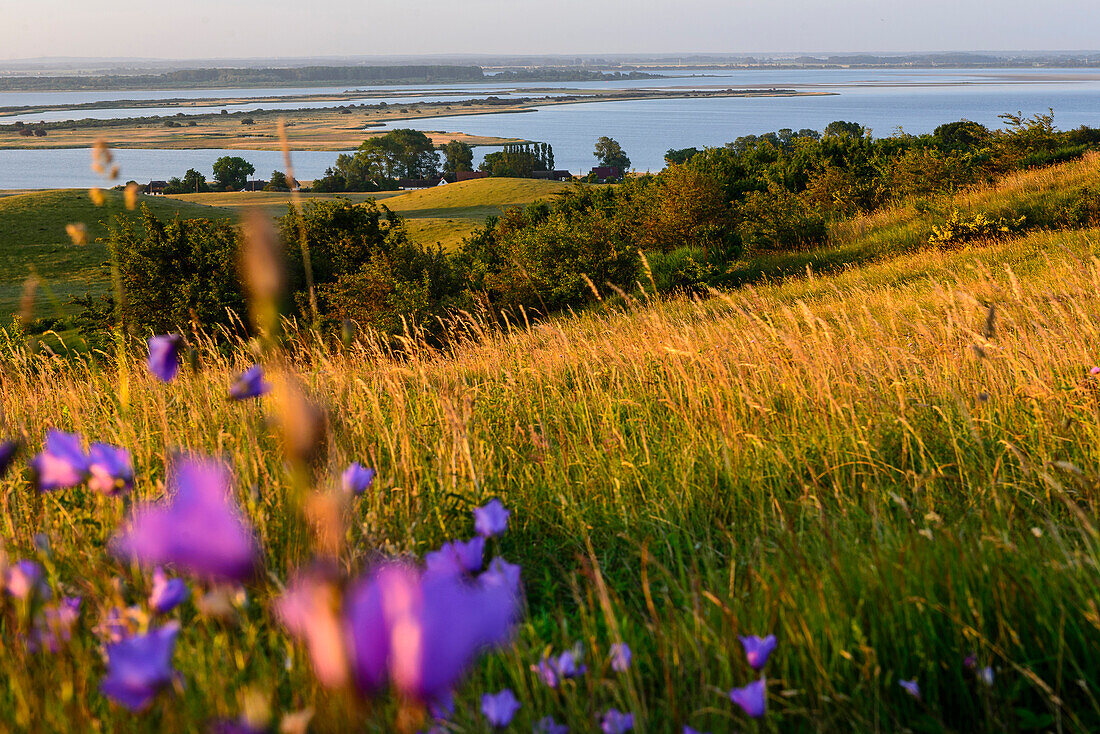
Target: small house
x,y
155,188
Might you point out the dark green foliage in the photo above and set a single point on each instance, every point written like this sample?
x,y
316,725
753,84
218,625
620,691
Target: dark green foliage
x,y
192,182
176,273
278,182
232,172
609,153
519,160
458,156
381,161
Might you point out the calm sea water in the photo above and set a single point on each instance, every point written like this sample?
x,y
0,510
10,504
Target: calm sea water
x,y
884,100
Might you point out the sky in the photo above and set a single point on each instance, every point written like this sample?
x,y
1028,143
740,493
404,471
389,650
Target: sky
x,y
192,29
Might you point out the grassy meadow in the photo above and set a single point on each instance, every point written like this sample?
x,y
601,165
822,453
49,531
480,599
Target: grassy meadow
x,y
891,464
33,240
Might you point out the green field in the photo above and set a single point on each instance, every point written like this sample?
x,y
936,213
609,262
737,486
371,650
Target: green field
x,y
888,458
33,242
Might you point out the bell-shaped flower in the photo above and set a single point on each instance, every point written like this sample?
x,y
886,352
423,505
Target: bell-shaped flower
x,y
111,472
62,463
249,384
357,478
164,356
620,657
491,519
456,557
198,528
167,594
500,708
616,722
753,698
757,649
138,667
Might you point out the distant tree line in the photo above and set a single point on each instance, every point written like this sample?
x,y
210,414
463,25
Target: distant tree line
x,y
232,77
381,162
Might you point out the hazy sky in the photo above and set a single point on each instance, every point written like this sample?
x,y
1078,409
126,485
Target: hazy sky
x,y
267,28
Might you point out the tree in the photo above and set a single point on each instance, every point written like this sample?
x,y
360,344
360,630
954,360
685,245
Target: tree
x,y
841,129
609,153
194,182
232,172
278,182
459,157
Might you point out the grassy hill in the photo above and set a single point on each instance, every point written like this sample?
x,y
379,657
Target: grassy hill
x,y
33,241
892,468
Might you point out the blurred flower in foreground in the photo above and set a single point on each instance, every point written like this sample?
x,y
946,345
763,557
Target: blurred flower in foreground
x,y
25,579
457,557
492,519
620,657
753,698
616,722
423,630
54,625
911,687
62,463
249,384
500,708
197,528
139,667
164,356
547,725
167,594
357,478
8,450
309,610
553,670
689,730
110,469
502,573
757,649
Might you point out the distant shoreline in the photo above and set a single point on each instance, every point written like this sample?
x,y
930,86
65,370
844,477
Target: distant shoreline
x,y
324,129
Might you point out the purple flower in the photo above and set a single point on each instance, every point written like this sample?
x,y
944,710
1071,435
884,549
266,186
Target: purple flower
x,y
62,462
167,594
620,657
235,726
502,573
54,625
423,630
689,730
753,698
457,558
250,384
911,687
111,472
970,661
548,725
164,356
139,667
553,670
616,722
25,579
757,650
197,528
492,519
8,450
357,478
500,708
